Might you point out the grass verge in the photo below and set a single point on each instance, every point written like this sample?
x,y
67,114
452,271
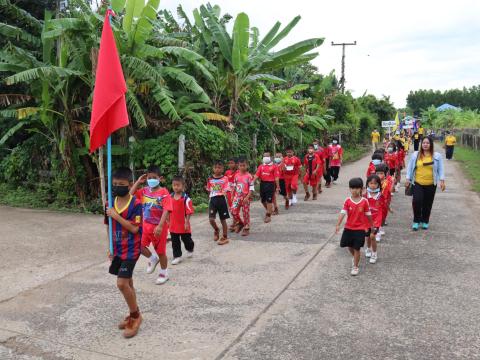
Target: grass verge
x,y
470,161
351,154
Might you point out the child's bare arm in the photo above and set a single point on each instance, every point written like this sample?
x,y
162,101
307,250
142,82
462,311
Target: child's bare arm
x,y
341,216
141,180
163,219
125,223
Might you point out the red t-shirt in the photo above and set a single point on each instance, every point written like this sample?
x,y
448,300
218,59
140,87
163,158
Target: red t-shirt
x,y
371,169
243,183
336,152
291,165
391,160
315,161
230,174
125,244
267,172
154,203
400,157
376,202
356,214
280,170
181,208
218,186
387,189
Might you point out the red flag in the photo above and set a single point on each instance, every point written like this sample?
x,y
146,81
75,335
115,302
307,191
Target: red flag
x,y
109,109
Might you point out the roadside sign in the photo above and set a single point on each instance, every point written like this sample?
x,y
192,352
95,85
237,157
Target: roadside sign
x,y
388,124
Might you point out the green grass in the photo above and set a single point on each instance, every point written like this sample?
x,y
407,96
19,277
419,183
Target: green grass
x,y
351,154
470,161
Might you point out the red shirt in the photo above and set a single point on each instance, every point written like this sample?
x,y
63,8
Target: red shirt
x,y
322,153
371,169
356,214
401,157
154,203
391,160
315,161
267,172
243,183
336,152
126,245
376,202
387,189
181,208
230,174
291,166
218,186
280,170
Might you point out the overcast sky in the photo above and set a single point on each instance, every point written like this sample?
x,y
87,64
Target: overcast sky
x,y
402,45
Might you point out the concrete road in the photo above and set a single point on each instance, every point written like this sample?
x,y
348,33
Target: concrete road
x,y
283,293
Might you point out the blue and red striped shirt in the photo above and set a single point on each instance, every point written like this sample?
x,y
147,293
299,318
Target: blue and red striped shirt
x,y
126,245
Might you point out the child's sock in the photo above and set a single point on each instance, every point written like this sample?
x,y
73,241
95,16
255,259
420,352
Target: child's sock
x,y
153,258
164,272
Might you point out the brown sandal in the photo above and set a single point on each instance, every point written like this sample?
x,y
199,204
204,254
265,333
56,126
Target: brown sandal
x,y
275,211
216,235
246,231
223,241
268,218
307,196
232,227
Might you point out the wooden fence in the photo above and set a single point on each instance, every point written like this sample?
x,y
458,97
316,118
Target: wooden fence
x,y
469,137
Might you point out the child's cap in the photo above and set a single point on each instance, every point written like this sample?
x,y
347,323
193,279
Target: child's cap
x,y
355,183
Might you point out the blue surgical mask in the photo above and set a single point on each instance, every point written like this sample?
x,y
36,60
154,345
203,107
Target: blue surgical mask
x,y
373,190
376,162
153,183
278,160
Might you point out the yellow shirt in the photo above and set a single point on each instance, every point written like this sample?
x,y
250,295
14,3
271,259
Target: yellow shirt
x,y
450,140
424,173
420,131
375,136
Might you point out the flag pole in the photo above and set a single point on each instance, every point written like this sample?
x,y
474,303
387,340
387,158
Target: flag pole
x,y
109,175
109,186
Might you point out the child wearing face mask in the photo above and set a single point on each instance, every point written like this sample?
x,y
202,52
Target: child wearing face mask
x,y
313,172
376,202
268,174
386,185
336,157
291,170
278,161
391,160
377,159
157,206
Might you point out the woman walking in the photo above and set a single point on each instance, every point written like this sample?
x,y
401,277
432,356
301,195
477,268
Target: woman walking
x,y
450,141
424,171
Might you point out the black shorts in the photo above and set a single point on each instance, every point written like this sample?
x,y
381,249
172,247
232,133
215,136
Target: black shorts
x,y
267,190
392,172
122,268
218,204
283,189
353,238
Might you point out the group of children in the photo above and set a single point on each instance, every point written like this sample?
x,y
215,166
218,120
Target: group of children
x,y
367,210
144,213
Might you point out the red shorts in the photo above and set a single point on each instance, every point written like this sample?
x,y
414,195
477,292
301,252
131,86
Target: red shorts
x,y
291,183
159,242
312,180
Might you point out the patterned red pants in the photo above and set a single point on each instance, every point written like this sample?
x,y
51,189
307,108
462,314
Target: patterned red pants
x,y
240,203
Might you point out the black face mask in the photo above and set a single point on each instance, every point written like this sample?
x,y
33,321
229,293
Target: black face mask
x,y
119,190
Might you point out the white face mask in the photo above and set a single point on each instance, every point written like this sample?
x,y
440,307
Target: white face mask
x,y
266,160
315,146
390,150
334,142
376,162
278,160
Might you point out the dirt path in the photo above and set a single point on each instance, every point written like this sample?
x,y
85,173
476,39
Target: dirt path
x,y
283,293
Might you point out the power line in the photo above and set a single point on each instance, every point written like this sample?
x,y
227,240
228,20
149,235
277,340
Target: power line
x,y
342,79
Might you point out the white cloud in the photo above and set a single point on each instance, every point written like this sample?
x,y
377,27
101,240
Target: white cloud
x,y
402,46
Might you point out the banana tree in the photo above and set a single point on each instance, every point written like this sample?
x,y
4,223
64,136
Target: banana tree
x,y
242,59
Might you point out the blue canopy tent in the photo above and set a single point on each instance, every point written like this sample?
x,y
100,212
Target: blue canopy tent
x,y
447,107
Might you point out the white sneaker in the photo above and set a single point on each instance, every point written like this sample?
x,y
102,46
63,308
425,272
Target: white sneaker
x,y
373,259
381,231
294,200
176,261
290,201
368,253
378,237
162,279
189,254
355,271
152,264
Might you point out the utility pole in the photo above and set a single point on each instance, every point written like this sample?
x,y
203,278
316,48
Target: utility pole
x,y
342,79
